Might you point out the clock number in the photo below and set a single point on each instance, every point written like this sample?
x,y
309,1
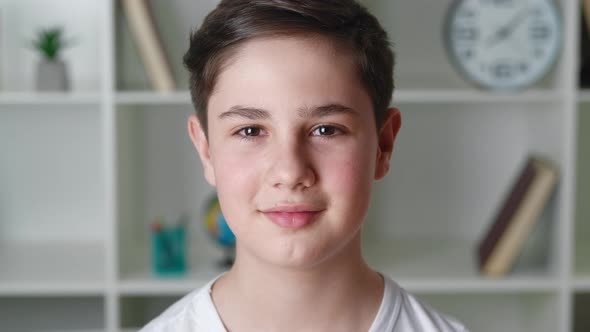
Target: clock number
x,y
498,3
537,12
467,54
468,34
465,13
502,70
540,32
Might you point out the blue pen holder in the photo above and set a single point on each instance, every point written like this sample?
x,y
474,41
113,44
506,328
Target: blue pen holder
x,y
169,250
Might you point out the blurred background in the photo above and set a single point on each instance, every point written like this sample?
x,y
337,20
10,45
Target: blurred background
x,y
105,218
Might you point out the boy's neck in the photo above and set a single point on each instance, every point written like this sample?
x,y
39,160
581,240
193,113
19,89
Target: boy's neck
x,y
341,292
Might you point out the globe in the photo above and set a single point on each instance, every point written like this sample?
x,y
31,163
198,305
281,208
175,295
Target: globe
x,y
218,230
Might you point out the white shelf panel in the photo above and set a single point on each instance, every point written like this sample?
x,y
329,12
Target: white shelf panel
x,y
582,284
500,311
400,96
179,286
584,96
474,96
448,265
123,330
43,288
145,283
582,253
49,98
455,286
52,269
152,98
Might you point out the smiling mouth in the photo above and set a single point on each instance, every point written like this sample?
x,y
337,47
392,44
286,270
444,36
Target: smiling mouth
x,y
292,220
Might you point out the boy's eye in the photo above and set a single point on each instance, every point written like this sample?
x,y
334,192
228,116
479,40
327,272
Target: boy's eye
x,y
325,131
250,131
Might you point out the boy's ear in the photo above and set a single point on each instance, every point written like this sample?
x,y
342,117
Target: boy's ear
x,y
197,134
386,140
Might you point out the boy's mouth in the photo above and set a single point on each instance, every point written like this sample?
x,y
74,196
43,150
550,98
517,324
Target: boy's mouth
x,y
292,220
292,216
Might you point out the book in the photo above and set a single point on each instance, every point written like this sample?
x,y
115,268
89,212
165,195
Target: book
x,y
584,65
586,15
2,50
145,35
520,211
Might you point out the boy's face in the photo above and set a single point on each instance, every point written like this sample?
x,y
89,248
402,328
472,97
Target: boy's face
x,y
292,150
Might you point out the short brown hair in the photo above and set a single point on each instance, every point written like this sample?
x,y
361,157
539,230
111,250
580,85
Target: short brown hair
x,y
345,22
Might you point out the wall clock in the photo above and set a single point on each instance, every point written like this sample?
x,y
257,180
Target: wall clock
x,y
503,44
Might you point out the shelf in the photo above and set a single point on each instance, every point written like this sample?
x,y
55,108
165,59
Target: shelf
x,y
49,98
501,311
580,315
427,96
144,283
149,98
448,266
411,96
582,284
73,314
52,269
584,95
456,285
137,311
582,260
582,213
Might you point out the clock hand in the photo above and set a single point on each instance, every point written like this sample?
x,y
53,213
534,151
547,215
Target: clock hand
x,y
507,29
518,19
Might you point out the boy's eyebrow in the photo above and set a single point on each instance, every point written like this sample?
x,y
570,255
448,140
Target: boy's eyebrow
x,y
325,110
251,113
254,113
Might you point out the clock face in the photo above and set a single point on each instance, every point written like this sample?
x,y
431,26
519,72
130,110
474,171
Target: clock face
x,y
503,44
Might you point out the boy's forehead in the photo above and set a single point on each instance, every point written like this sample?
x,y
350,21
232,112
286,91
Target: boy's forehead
x,y
301,41
287,52
296,71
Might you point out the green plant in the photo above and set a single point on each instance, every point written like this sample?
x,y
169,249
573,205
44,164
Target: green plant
x,y
50,42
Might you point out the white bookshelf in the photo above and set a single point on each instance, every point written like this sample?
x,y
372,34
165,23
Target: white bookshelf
x,y
48,98
151,98
83,173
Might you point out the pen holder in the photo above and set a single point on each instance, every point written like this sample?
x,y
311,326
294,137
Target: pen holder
x,y
169,250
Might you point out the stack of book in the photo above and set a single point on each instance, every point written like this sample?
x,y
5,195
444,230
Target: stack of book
x,y
503,242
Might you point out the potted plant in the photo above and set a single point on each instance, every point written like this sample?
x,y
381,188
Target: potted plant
x,y
52,73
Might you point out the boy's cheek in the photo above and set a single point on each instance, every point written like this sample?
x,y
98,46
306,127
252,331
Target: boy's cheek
x,y
235,174
351,179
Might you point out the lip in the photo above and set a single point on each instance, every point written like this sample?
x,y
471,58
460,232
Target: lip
x,y
290,208
292,216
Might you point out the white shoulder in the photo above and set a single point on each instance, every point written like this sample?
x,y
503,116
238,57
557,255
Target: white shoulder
x,y
178,317
415,315
194,312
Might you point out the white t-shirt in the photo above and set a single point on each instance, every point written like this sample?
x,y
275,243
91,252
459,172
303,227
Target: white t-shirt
x,y
399,312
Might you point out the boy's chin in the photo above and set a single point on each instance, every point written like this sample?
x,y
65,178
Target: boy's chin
x,y
303,258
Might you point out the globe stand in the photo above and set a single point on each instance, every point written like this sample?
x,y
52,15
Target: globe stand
x,y
228,259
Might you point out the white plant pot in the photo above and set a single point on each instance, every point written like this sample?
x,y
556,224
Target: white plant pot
x,y
52,75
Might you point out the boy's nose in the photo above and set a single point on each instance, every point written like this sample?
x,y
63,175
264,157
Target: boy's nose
x,y
291,168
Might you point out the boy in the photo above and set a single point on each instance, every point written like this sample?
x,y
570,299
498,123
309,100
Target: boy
x,y
292,128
